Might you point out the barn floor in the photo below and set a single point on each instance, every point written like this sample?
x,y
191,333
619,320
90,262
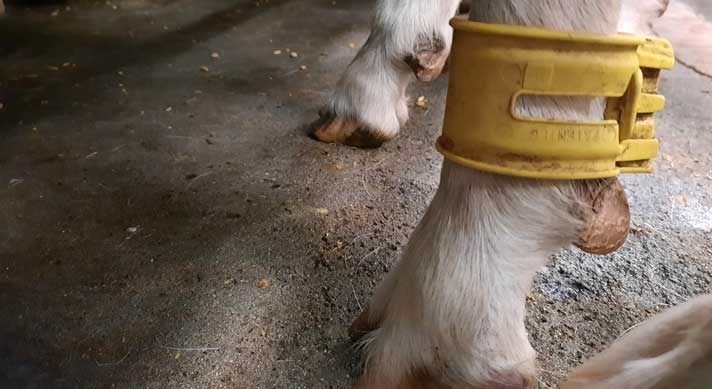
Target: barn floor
x,y
167,223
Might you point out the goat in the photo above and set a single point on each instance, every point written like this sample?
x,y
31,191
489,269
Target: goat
x,y
451,313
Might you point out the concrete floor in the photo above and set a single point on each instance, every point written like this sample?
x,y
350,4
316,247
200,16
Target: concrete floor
x,y
169,226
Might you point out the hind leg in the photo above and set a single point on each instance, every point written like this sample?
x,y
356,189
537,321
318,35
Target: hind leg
x,y
369,105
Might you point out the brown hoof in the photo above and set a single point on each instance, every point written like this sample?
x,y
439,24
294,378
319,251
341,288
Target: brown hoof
x,y
607,220
333,129
429,59
361,326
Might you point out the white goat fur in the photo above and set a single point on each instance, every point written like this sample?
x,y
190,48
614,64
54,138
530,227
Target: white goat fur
x,y
454,307
372,90
455,304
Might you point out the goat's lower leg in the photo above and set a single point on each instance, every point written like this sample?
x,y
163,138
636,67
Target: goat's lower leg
x,y
452,315
369,104
455,317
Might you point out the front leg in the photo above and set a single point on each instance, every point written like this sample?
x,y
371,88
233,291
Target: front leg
x,y
369,104
451,316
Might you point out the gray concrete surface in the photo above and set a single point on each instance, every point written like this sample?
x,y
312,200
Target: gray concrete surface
x,y
169,227
703,7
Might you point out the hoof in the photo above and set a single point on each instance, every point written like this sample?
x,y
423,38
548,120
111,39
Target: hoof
x,y
334,129
361,326
429,59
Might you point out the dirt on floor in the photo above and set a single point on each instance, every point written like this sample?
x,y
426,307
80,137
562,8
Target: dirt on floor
x,y
167,222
